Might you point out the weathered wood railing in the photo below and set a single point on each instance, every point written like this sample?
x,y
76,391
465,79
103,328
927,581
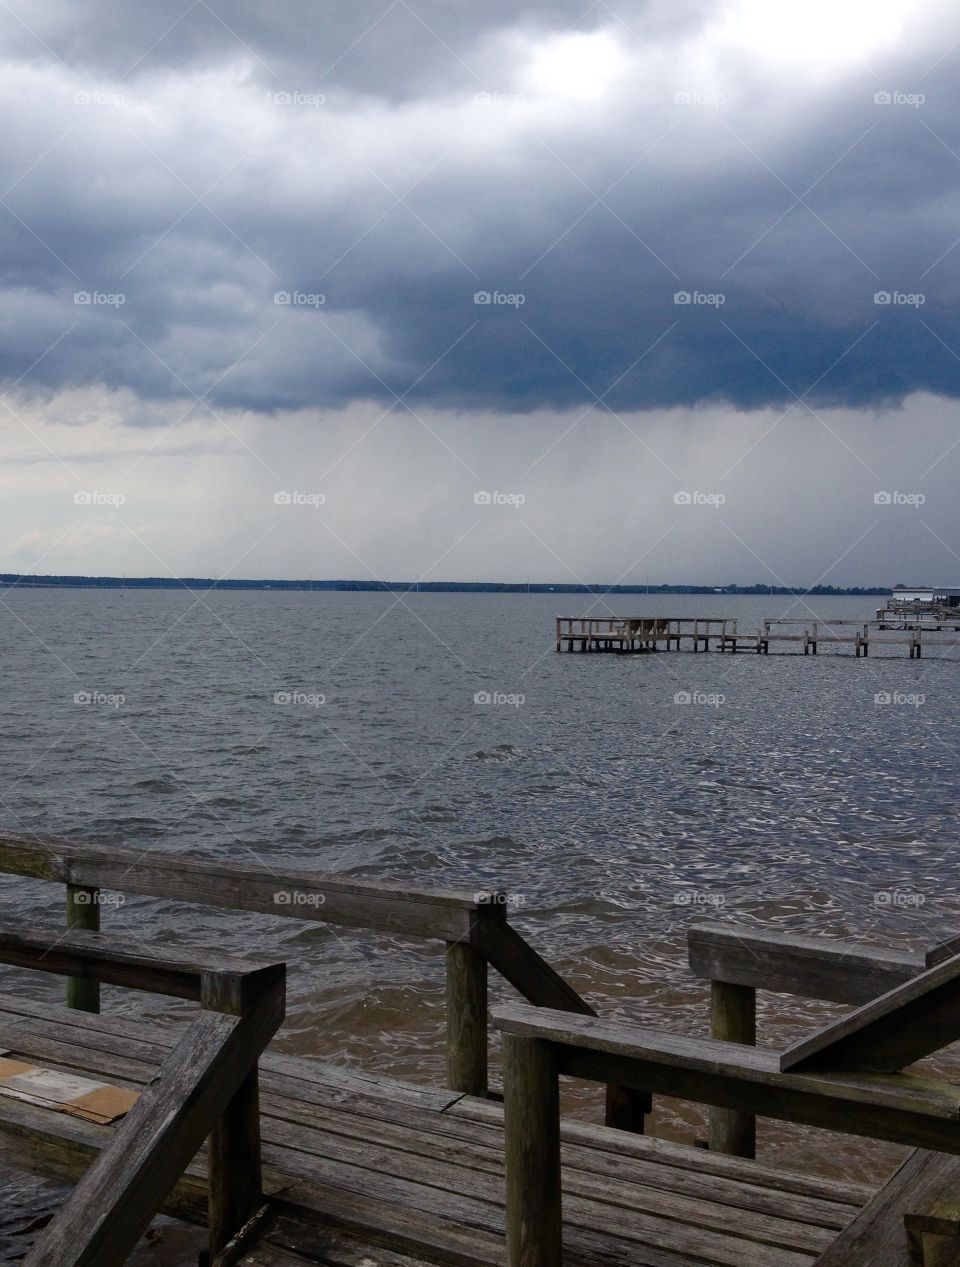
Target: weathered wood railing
x,y
738,961
207,1087
473,927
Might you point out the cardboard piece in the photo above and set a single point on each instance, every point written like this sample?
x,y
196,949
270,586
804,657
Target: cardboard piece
x,y
65,1092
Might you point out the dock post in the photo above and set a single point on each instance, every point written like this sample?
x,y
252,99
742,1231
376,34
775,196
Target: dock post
x,y
234,1166
83,911
466,1019
733,1019
531,1101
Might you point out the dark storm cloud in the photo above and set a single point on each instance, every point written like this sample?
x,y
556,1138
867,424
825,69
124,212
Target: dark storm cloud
x,y
170,180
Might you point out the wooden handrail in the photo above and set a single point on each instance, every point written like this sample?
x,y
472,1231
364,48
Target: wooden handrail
x,y
473,926
540,1045
207,1087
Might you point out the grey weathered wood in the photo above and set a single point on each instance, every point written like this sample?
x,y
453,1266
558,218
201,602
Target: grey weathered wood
x,y
466,1019
234,1165
890,1032
516,960
902,1109
733,1019
396,908
113,1204
811,967
83,911
877,1234
531,1096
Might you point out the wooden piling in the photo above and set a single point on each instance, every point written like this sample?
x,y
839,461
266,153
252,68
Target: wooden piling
x,y
733,1017
466,1019
83,911
531,1096
233,1162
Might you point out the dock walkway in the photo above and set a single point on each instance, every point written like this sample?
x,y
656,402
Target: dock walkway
x,y
353,1161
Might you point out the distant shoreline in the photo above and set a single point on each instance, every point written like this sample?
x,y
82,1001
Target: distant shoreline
x,y
28,581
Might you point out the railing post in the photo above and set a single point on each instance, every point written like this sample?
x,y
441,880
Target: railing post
x,y
234,1166
466,1019
733,1015
83,911
531,1094
626,1108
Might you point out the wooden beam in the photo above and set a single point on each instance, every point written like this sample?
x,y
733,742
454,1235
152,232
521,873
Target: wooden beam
x,y
531,1096
896,1107
895,1030
83,912
466,1019
811,967
733,1019
114,1202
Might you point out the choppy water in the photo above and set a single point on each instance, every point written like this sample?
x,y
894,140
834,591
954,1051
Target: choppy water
x,y
782,794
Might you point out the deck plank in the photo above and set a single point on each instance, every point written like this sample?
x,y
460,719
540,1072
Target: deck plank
x,y
358,1160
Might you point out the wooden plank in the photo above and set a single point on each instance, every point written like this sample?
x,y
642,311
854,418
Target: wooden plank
x,y
900,1027
877,1234
901,1109
118,1196
234,1165
390,907
811,967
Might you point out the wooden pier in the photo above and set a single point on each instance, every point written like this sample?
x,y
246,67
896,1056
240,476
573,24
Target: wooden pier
x,y
642,635
308,1162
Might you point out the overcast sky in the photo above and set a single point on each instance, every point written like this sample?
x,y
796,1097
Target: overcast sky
x,y
660,291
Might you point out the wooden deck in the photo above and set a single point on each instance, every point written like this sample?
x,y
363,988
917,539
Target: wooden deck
x,y
353,1161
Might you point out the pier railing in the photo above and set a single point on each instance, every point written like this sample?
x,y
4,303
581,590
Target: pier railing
x,y
207,1087
473,928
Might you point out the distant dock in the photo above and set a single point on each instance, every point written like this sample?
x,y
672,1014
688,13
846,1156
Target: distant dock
x,y
642,635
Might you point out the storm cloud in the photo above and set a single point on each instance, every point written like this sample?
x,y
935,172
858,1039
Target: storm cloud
x,y
487,207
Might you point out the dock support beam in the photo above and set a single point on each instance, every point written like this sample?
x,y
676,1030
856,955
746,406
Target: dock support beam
x,y
466,1019
83,911
733,1016
234,1174
531,1094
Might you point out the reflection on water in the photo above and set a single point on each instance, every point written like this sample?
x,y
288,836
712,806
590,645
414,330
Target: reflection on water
x,y
341,732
